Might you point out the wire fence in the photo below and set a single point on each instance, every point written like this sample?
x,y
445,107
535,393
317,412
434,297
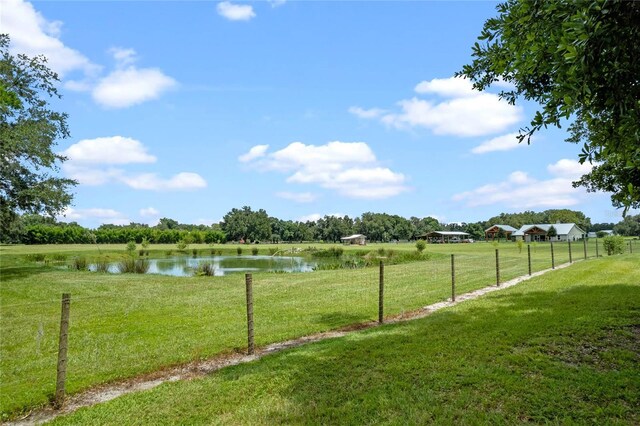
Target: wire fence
x,y
118,331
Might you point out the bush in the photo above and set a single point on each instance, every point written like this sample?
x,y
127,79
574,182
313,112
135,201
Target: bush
x,y
273,250
133,266
239,251
421,245
102,264
613,244
36,257
194,252
182,245
131,246
254,251
79,263
206,269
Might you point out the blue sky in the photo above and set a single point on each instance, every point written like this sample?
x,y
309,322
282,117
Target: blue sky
x,y
303,108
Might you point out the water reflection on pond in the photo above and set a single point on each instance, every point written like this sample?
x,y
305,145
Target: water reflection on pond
x,y
182,266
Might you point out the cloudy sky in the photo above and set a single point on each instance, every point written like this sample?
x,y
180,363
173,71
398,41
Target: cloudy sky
x,y
303,108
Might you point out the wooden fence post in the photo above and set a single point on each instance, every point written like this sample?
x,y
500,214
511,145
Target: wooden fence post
x,y
597,254
497,269
381,294
553,259
630,247
584,243
453,278
570,256
63,345
529,256
249,284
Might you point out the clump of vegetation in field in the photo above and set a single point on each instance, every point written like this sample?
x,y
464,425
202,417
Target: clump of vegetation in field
x,y
102,264
239,251
273,251
254,251
36,257
194,252
206,269
131,247
421,245
613,244
130,265
79,263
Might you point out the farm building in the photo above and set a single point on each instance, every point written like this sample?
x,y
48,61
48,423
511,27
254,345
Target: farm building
x,y
494,231
564,232
358,239
446,237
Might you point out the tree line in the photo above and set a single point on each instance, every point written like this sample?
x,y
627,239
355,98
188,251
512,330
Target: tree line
x,y
249,226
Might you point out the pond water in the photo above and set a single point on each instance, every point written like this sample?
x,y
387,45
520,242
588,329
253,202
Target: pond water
x,y
182,266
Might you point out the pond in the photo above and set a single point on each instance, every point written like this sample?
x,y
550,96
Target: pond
x,y
182,266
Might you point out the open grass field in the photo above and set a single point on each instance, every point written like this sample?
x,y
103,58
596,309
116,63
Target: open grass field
x,y
126,325
562,348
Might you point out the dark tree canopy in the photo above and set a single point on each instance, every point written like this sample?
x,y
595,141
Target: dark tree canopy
x,y
580,60
28,132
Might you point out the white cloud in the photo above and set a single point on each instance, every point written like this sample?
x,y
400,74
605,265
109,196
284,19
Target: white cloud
x,y
521,191
255,152
463,111
501,143
103,215
277,3
109,150
149,212
447,87
314,217
366,113
235,12
298,197
87,158
32,34
349,168
570,169
180,182
128,85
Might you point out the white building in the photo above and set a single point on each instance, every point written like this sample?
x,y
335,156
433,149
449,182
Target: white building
x,y
564,232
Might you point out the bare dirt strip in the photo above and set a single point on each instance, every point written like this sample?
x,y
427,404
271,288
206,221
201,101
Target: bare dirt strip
x,y
202,368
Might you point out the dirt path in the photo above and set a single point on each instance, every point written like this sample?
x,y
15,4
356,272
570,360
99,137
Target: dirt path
x,y
197,369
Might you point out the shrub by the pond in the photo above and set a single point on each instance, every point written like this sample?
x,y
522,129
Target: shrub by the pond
x,y
335,252
131,246
206,269
36,257
254,251
131,265
79,263
102,264
239,251
421,245
273,250
194,252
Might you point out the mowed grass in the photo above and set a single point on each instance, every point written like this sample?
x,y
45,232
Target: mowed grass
x,y
126,325
563,348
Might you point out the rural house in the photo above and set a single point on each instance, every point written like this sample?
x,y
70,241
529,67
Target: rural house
x,y
358,239
564,232
494,231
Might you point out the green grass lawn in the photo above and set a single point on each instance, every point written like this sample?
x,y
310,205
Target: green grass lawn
x,y
125,325
563,348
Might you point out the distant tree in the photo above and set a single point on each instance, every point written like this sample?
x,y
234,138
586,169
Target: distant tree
x,y
630,226
579,61
246,224
567,216
28,132
552,232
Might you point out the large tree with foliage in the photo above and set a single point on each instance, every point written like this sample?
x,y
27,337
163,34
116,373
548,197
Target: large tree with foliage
x,y
29,130
246,224
580,60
